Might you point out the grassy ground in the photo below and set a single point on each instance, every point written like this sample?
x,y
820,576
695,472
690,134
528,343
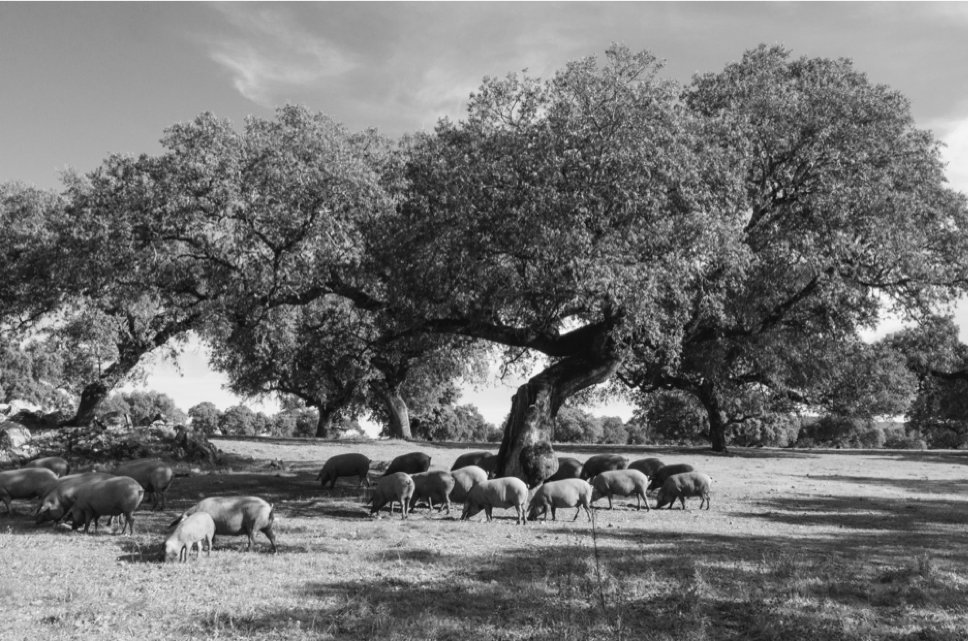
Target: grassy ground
x,y
797,545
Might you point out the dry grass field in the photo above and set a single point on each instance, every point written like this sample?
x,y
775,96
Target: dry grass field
x,y
797,545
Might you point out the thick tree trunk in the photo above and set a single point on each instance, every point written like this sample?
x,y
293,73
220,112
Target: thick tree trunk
x,y
526,450
91,396
325,423
399,414
717,417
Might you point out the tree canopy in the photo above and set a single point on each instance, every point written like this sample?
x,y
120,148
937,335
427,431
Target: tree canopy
x,y
727,239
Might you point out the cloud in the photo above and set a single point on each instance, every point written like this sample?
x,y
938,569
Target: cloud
x,y
269,54
956,155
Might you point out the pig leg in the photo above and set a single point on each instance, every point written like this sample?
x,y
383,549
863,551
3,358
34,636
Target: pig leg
x,y
6,501
267,530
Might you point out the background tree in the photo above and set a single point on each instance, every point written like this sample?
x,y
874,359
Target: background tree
x,y
614,430
316,353
934,354
453,423
575,425
205,417
239,420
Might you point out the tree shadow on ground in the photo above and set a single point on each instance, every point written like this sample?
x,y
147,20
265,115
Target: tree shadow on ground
x,y
674,586
915,486
900,516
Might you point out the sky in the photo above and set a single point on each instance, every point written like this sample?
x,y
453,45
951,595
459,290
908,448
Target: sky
x,y
82,80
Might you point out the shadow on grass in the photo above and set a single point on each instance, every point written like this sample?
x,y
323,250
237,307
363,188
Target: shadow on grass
x,y
673,586
866,568
915,486
902,517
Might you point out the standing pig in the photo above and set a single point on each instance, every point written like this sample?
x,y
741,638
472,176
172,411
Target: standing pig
x,y
564,493
412,463
665,472
470,458
621,483
489,465
603,463
344,465
682,486
57,503
195,529
55,464
505,492
25,483
393,487
568,468
464,479
120,495
154,476
433,485
647,466
235,515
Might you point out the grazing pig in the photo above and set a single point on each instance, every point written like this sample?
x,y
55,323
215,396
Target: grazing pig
x,y
432,485
25,483
235,515
505,492
664,472
603,463
682,486
195,529
412,463
564,493
154,476
489,465
120,495
55,464
470,458
344,465
647,466
568,468
464,479
621,483
393,487
57,503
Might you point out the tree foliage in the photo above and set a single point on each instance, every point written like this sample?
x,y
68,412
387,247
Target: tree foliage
x,y
847,208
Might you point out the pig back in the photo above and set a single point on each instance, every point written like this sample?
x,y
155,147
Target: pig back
x,y
27,482
503,492
603,463
153,475
412,463
112,496
349,464
235,514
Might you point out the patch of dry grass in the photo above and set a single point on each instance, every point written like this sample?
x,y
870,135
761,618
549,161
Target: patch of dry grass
x,y
797,546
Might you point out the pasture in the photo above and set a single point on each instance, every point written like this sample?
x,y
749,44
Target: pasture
x,y
797,545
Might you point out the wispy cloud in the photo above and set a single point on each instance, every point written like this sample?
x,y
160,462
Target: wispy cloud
x,y
270,53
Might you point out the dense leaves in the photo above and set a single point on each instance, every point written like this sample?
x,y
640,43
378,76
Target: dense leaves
x,y
847,211
726,240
